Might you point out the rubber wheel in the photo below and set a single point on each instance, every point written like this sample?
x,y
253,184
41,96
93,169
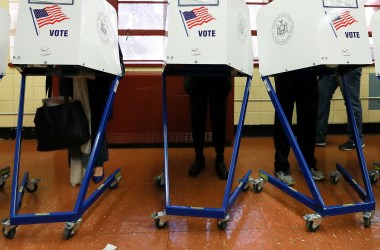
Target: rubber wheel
x,y
334,179
33,189
257,189
222,225
10,234
157,223
309,226
67,233
114,186
371,178
367,222
245,189
158,183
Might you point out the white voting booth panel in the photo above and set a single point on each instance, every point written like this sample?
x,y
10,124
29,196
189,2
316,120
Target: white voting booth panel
x,y
210,33
375,25
67,32
297,34
5,21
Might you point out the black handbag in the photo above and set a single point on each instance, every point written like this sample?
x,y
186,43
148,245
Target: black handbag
x,y
61,126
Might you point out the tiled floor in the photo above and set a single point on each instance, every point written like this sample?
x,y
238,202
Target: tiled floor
x,y
122,217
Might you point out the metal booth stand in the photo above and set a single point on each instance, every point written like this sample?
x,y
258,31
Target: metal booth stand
x,y
5,21
308,35
375,25
211,39
88,31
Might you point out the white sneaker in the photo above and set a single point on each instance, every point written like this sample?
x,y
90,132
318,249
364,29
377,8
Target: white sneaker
x,y
317,175
285,177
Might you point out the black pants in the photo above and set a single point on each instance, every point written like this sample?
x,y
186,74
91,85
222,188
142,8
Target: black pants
x,y
302,91
213,91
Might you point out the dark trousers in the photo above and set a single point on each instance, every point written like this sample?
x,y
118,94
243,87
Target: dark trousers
x,y
98,90
302,91
212,91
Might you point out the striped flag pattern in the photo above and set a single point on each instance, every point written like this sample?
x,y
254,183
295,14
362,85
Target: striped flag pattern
x,y
49,15
343,20
197,16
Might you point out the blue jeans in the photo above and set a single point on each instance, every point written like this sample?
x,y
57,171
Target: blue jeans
x,y
327,86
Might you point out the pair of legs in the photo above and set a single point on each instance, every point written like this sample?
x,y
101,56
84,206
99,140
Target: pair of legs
x,y
209,92
327,86
94,94
303,92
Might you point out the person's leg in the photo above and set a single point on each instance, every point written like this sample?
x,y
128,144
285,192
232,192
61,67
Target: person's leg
x,y
198,114
98,95
353,88
307,105
218,93
285,96
326,87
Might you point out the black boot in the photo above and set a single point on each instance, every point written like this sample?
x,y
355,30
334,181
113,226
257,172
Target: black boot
x,y
220,167
197,167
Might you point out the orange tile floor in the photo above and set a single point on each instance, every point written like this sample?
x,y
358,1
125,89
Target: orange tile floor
x,y
122,217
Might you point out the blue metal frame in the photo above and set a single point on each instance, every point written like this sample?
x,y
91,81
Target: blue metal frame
x,y
229,199
316,202
82,204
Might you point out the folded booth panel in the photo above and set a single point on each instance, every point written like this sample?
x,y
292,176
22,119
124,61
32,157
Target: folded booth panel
x,y
294,34
375,25
83,33
5,21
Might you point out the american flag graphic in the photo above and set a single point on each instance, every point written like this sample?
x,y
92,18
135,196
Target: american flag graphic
x,y
197,16
49,15
343,20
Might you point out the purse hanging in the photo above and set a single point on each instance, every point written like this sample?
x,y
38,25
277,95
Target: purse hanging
x,y
61,125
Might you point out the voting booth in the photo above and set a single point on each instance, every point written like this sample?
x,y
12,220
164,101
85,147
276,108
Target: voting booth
x,y
5,21
375,27
64,38
315,37
79,34
322,34
210,32
207,38
4,49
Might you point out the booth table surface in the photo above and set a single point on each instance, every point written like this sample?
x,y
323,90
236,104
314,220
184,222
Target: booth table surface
x,y
121,217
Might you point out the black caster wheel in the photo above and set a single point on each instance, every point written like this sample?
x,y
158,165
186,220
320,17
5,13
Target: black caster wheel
x,y
11,233
334,179
373,178
159,182
159,225
310,228
33,188
257,189
367,222
222,225
68,233
246,188
114,186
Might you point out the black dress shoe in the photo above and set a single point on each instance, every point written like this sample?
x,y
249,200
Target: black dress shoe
x,y
221,170
197,167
